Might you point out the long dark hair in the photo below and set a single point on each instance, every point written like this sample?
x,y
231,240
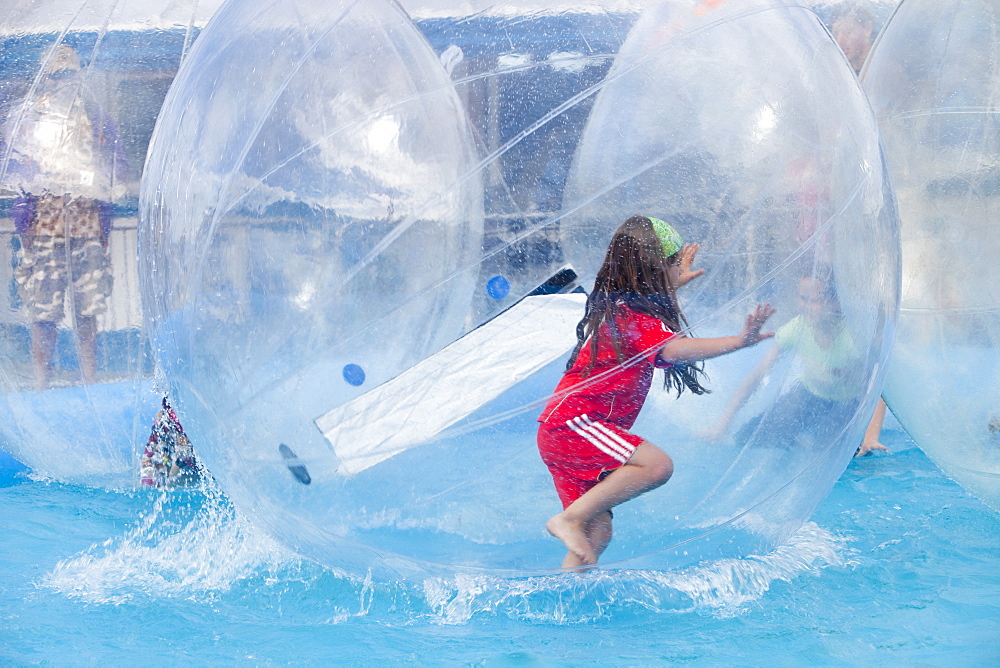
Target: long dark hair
x,y
634,273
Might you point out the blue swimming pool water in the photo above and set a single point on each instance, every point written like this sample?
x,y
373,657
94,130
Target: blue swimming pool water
x,y
899,566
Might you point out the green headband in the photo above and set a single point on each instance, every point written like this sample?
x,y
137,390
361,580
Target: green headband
x,y
669,238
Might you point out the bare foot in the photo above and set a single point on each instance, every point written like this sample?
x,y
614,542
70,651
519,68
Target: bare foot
x,y
571,564
573,537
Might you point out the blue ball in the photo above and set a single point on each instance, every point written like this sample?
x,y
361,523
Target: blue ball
x,y
354,374
498,287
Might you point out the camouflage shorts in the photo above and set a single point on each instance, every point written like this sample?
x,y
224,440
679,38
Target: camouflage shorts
x,y
48,267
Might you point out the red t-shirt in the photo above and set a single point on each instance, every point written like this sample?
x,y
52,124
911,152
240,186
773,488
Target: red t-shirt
x,y
613,391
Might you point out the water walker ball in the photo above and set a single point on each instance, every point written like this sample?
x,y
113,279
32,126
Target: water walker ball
x,y
80,86
313,226
330,198
933,79
743,125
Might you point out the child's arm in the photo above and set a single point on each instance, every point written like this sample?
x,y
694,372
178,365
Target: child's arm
x,y
683,349
874,430
743,392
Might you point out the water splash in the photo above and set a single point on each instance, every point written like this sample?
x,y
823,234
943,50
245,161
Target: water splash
x,y
723,587
190,544
193,545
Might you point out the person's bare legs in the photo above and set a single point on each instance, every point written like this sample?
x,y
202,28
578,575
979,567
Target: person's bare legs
x,y
647,468
43,346
86,333
874,430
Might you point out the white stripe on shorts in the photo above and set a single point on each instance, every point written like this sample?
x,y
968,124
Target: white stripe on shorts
x,y
629,448
601,438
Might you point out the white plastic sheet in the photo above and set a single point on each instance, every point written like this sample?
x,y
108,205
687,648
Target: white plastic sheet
x,y
434,394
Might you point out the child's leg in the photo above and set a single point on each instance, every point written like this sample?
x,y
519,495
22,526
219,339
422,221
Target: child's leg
x,y
647,468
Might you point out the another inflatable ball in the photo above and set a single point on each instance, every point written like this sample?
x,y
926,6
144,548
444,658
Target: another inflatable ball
x,y
313,226
80,86
744,126
933,79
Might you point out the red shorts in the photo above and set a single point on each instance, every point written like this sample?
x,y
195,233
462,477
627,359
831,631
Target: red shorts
x,y
581,451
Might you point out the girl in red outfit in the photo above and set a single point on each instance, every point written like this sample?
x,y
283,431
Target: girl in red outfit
x,y
632,325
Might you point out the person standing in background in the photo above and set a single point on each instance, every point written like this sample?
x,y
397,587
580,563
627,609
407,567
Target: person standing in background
x,y
61,152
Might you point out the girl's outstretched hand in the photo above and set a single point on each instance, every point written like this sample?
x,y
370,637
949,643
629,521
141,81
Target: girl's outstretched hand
x,y
751,334
688,251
